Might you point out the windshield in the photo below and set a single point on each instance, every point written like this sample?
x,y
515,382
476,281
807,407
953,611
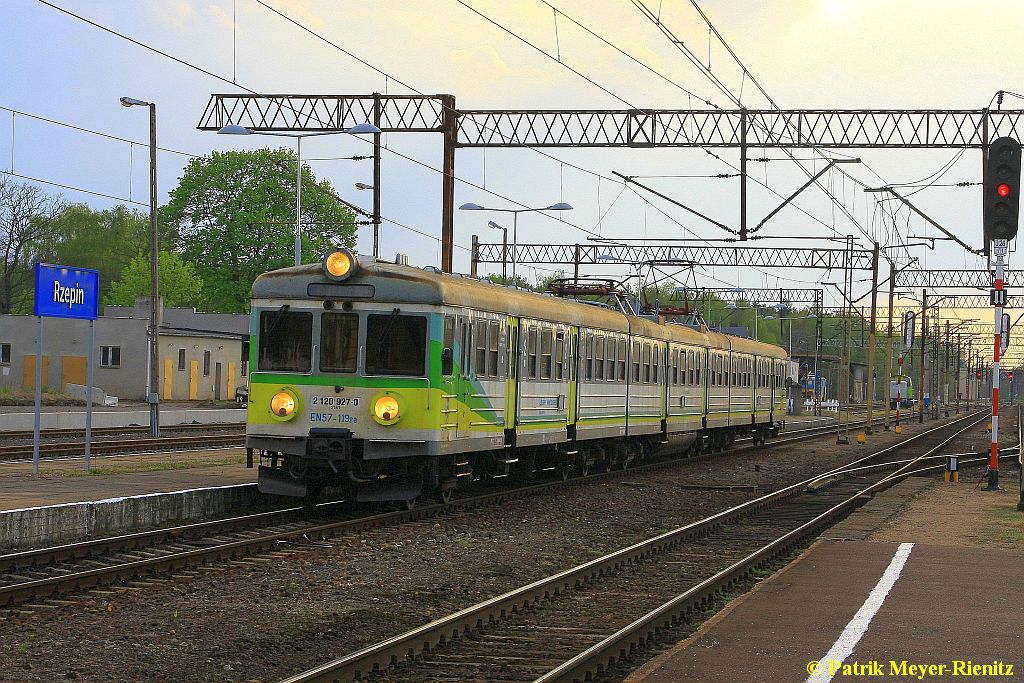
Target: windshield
x,y
339,342
396,344
286,340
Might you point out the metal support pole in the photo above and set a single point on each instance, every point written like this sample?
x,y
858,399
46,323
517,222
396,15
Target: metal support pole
x,y
970,370
743,175
888,342
154,286
999,251
576,265
298,200
39,394
376,177
920,373
945,374
871,338
450,126
473,262
88,394
515,241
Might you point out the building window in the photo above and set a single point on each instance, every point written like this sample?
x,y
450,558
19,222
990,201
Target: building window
x,y
181,359
110,356
206,363
5,354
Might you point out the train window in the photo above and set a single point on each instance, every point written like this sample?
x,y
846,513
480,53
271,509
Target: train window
x,y
448,346
588,357
609,369
655,363
493,334
636,361
286,341
467,333
691,367
621,360
560,355
647,363
545,354
599,358
531,352
480,359
698,361
339,342
396,344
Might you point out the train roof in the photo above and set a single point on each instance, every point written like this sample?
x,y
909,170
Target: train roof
x,y
394,283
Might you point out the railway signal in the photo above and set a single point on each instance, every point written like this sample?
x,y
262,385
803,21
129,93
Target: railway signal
x,y
1002,190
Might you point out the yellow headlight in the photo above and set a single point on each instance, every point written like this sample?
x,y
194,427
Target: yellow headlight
x,y
340,264
385,409
282,404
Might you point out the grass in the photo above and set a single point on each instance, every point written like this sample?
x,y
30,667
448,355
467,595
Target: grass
x,y
1005,524
158,466
12,396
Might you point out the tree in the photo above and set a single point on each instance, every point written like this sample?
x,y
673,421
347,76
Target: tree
x,y
104,240
180,284
26,219
234,214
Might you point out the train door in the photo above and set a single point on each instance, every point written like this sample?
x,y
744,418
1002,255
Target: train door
x,y
571,384
511,372
464,388
449,392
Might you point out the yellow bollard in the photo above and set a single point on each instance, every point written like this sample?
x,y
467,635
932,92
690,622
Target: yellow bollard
x,y
861,438
899,429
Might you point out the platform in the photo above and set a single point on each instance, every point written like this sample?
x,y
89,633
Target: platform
x,y
931,585
65,482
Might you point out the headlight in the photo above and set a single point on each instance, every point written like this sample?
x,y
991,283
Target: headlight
x,y
283,404
340,264
385,410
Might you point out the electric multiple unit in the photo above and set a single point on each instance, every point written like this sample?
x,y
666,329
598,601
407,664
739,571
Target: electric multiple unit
x,y
385,382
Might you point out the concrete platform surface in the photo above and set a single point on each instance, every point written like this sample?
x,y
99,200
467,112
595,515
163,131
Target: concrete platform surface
x,y
20,418
20,489
946,606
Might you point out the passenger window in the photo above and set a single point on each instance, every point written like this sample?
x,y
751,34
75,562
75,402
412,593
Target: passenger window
x,y
493,335
531,353
599,358
545,354
560,355
609,369
448,346
647,363
464,343
480,364
698,361
656,363
621,360
636,361
588,356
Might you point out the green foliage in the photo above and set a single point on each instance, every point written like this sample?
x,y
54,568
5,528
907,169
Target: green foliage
x,y
234,214
104,240
180,284
519,281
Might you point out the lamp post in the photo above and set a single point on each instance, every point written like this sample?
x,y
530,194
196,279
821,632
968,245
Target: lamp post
x,y
153,395
560,206
362,128
504,247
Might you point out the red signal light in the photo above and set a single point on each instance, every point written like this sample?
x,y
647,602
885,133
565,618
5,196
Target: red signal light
x,y
979,375
1003,190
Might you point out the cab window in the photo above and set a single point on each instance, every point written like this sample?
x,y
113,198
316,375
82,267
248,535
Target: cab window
x,y
339,342
396,344
286,341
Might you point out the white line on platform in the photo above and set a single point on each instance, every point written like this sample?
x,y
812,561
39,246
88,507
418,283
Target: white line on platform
x,y
858,626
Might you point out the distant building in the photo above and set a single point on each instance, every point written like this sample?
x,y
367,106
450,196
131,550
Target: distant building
x,y
200,353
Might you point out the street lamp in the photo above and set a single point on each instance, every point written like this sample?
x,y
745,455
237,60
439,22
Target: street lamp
x,y
504,247
359,129
560,206
152,396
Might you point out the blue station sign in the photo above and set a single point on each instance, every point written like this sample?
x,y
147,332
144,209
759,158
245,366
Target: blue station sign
x,y
66,292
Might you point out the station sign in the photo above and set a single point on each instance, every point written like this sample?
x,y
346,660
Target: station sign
x,y
66,292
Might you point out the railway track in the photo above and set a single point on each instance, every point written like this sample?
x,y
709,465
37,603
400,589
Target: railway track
x,y
577,624
21,434
128,446
46,575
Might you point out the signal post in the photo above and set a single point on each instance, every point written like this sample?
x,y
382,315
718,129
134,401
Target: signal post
x,y
1001,207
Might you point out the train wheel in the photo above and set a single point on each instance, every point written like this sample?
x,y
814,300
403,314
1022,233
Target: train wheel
x,y
409,503
584,468
444,496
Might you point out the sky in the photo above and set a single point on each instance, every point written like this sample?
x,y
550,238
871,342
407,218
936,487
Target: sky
x,y
805,54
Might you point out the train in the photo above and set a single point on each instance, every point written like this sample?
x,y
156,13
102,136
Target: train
x,y
905,388
380,381
807,388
